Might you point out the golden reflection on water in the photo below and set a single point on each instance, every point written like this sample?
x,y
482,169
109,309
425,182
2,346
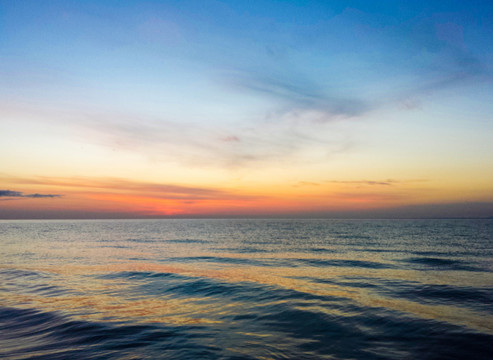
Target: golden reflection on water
x,y
100,307
107,300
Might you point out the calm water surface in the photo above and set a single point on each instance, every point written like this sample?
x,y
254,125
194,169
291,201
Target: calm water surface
x,y
246,289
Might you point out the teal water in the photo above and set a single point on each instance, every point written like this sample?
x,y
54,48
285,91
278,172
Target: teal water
x,y
246,289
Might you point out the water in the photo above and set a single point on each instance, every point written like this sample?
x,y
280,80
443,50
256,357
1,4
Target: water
x,y
246,289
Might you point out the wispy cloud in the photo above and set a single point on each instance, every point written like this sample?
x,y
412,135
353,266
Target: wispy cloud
x,y
284,139
441,58
228,146
388,182
364,182
416,57
455,68
116,185
18,194
297,94
306,183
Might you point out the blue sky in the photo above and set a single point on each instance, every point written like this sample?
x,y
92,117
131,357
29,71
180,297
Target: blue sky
x,y
250,94
296,52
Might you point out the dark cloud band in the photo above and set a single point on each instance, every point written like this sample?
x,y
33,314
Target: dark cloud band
x,y
18,194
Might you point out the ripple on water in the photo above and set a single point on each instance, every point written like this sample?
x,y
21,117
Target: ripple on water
x,y
436,263
246,289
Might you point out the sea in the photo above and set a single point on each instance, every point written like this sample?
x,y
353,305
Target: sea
x,y
246,289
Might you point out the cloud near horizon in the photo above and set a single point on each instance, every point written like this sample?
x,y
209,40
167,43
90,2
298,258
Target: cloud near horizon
x,y
216,107
18,194
388,182
116,185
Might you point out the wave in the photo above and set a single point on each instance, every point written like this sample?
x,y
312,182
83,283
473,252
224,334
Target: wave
x,y
241,289
48,335
425,263
294,332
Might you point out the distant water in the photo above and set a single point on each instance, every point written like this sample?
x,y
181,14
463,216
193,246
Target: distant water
x,y
246,289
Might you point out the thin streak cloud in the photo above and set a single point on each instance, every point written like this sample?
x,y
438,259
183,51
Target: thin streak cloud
x,y
223,146
18,194
163,191
364,182
295,93
388,182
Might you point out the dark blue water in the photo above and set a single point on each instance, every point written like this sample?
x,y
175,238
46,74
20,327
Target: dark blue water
x,y
246,289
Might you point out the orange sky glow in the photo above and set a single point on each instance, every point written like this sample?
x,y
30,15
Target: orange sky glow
x,y
168,112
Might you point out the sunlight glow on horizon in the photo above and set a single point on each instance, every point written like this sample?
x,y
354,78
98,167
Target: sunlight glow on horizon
x,y
223,108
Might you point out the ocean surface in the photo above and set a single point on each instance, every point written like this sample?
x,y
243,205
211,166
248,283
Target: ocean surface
x,y
246,289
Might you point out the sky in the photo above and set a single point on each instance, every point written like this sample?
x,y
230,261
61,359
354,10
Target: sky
x,y
136,109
